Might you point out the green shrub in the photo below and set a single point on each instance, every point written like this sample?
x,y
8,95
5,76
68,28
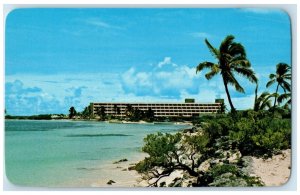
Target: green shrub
x,y
258,133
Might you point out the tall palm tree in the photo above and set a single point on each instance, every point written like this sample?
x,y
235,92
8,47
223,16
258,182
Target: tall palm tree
x,y
282,77
231,58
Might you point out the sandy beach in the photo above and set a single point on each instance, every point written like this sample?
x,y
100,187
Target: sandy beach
x,y
121,175
273,171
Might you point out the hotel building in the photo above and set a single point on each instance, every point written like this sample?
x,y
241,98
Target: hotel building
x,y
187,109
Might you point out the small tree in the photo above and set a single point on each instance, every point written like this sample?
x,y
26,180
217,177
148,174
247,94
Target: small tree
x,y
172,152
72,112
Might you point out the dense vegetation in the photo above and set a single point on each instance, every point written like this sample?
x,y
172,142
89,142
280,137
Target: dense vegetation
x,y
211,154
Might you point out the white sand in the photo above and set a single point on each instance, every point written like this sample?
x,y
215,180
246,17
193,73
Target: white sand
x,y
120,174
274,171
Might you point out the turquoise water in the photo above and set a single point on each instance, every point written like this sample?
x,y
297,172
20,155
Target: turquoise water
x,y
64,153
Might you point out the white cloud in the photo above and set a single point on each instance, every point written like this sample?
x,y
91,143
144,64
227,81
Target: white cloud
x,y
165,79
166,61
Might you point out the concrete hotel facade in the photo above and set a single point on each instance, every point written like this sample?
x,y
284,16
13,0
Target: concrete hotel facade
x,y
160,109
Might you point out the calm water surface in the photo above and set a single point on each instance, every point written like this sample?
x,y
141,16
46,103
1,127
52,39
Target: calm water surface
x,y
64,153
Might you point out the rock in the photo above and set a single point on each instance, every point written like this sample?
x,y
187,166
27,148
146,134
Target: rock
x,y
124,169
234,158
110,182
131,168
204,166
122,160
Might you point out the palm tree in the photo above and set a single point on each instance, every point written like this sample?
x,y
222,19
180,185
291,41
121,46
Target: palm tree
x,y
282,77
231,57
263,101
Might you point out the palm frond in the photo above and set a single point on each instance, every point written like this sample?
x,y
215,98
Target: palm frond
x,y
267,103
286,86
214,70
226,44
282,68
246,72
243,63
204,65
287,76
232,81
263,101
237,49
271,82
213,51
283,97
272,76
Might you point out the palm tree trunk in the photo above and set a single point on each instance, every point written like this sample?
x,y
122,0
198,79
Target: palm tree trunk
x,y
276,95
255,100
228,96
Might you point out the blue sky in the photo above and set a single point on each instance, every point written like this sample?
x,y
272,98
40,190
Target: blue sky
x,y
57,58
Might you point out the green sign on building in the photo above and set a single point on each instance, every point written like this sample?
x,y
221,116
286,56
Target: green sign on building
x,y
189,100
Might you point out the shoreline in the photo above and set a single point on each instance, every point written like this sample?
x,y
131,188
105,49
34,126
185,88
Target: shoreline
x,y
107,121
121,175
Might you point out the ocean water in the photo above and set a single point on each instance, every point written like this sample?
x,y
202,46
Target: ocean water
x,y
70,153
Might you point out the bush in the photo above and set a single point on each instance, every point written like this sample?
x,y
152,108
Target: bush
x,y
259,135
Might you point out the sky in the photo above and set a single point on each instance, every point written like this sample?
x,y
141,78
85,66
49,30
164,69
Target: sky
x,y
58,58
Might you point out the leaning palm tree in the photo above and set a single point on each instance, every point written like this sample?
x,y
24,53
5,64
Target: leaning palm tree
x,y
282,77
263,101
231,58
